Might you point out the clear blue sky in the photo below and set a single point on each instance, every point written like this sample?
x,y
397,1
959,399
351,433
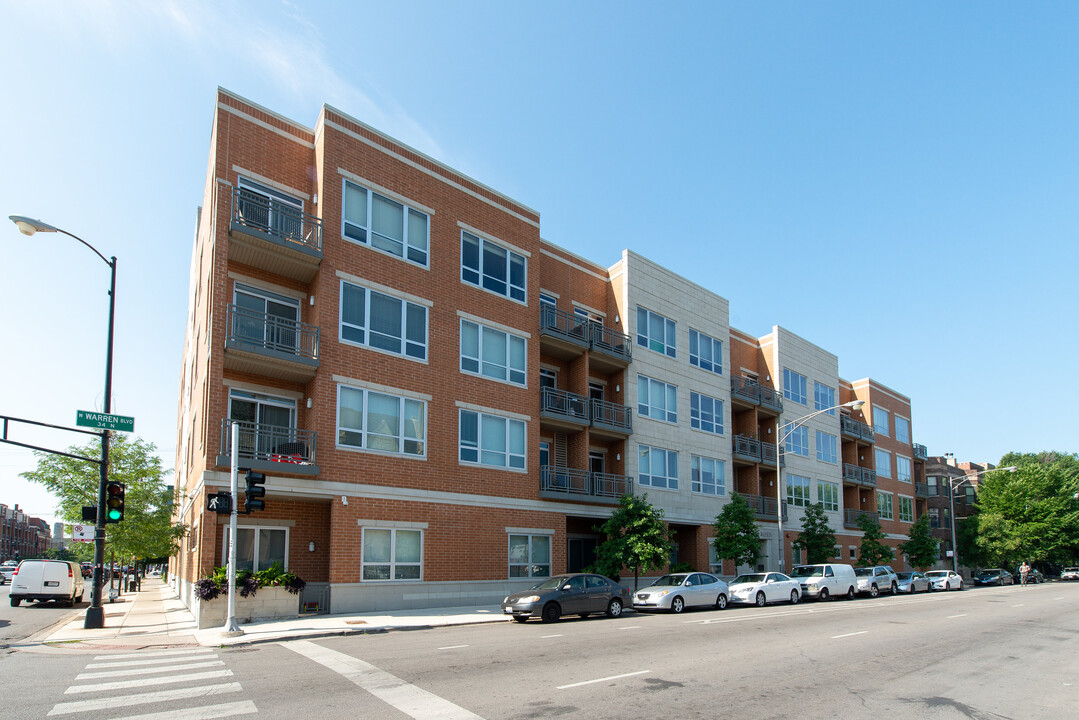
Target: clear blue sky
x,y
896,182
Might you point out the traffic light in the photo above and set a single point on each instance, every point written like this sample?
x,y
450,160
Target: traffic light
x,y
114,502
254,492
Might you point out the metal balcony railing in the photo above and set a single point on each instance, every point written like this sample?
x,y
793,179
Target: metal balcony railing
x,y
764,507
749,448
921,452
583,482
277,219
564,404
921,490
612,415
859,475
611,341
560,323
850,517
270,443
856,428
270,332
746,389
771,398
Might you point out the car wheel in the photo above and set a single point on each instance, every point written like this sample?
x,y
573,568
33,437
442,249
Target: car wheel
x,y
850,593
614,608
79,598
874,591
895,590
677,605
551,612
761,600
823,595
794,597
15,602
960,588
721,601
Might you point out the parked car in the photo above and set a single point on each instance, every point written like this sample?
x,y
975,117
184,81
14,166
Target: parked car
x,y
874,580
681,590
945,580
42,580
1070,573
994,576
574,594
1034,577
826,580
912,582
7,569
764,588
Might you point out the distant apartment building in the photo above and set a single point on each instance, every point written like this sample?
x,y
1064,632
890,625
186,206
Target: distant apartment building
x,y
945,474
21,536
446,405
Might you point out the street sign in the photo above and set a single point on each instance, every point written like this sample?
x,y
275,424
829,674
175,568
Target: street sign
x,y
220,503
82,533
85,418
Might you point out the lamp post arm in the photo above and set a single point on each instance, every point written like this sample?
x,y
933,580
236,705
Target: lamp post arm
x,y
92,248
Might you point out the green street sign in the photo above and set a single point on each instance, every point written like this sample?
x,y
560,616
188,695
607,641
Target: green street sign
x,y
85,418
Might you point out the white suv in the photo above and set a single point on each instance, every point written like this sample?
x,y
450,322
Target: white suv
x,y
874,580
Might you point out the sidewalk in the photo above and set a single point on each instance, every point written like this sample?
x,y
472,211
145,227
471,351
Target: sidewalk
x,y
155,616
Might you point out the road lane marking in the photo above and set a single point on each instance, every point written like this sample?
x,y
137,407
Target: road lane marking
x,y
157,661
452,647
409,699
630,627
1059,598
957,616
860,632
544,637
109,703
208,712
599,680
1019,605
125,672
123,684
159,653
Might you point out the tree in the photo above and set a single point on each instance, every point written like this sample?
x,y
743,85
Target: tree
x,y
636,537
922,550
873,550
735,533
817,536
147,530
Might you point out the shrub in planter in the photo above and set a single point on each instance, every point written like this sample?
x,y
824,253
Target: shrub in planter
x,y
247,583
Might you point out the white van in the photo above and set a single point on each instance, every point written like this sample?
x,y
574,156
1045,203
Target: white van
x,y
826,580
43,580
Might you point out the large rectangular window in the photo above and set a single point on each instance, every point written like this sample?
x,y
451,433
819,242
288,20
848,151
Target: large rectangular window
x,y
826,447
392,554
708,476
906,508
705,352
797,491
823,397
491,440
705,413
385,224
884,505
902,468
657,467
902,429
880,420
493,267
883,462
259,548
794,386
655,332
492,353
798,440
530,556
656,399
377,421
381,321
828,494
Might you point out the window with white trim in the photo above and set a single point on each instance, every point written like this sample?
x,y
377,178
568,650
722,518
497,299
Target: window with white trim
x,y
880,420
530,556
392,554
492,267
828,495
655,332
705,352
902,429
258,548
883,462
798,441
379,421
705,413
794,386
657,399
823,397
902,468
826,447
492,353
657,467
384,224
906,508
491,440
797,491
381,321
709,476
884,505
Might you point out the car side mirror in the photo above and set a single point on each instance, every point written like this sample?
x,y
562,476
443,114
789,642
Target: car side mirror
x,y
567,587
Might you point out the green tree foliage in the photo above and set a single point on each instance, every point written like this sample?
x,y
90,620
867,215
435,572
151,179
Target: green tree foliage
x,y
817,536
1032,513
636,537
922,549
873,550
735,533
147,530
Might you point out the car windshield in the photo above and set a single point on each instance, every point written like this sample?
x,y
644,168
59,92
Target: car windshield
x,y
552,583
863,572
904,576
754,578
672,580
807,571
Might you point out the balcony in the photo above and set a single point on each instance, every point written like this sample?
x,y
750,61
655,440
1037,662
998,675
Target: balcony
x,y
921,490
921,452
562,334
563,410
745,392
764,507
268,345
855,475
850,517
270,448
771,401
852,429
611,419
559,483
746,450
611,350
274,236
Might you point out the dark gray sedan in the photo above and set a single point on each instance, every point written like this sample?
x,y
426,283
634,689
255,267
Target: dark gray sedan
x,y
577,594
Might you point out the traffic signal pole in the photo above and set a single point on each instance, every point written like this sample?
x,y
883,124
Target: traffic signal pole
x,y
231,628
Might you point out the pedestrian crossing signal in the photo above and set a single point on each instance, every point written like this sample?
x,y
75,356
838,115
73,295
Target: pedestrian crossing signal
x,y
114,502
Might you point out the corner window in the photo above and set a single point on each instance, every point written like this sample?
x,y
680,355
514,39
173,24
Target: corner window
x,y
705,413
492,267
491,440
492,353
708,476
377,421
794,386
657,400
797,491
705,352
530,556
826,447
655,332
392,554
657,467
384,224
380,321
823,397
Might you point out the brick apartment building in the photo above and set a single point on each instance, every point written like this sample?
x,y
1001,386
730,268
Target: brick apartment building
x,y
944,472
21,536
446,405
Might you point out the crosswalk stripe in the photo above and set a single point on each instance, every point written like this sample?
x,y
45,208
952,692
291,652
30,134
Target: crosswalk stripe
x,y
155,653
109,703
155,661
126,672
124,684
207,712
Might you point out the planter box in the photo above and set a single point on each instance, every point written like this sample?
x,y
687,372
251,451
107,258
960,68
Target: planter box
x,y
269,603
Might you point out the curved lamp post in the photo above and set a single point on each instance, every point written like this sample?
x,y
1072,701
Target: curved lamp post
x,y
95,614
792,426
951,507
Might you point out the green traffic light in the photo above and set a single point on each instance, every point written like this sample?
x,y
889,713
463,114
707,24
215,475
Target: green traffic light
x,y
115,514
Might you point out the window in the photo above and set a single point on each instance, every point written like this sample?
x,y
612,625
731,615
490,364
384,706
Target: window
x,y
530,556
828,495
392,554
492,267
657,467
880,420
384,224
906,508
883,462
491,440
794,386
797,490
492,353
656,399
706,413
798,441
902,429
655,332
902,468
705,352
259,548
884,505
546,299
380,321
826,447
377,421
934,518
708,476
715,564
548,378
823,397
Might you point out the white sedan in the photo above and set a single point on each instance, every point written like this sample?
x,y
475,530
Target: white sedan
x,y
678,591
944,580
763,588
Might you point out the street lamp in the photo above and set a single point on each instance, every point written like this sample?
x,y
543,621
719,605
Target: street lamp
x,y
794,425
95,614
951,506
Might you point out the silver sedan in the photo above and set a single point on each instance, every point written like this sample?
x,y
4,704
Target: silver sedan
x,y
912,582
678,591
763,588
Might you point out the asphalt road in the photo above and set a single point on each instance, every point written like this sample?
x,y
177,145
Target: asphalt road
x,y
28,619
